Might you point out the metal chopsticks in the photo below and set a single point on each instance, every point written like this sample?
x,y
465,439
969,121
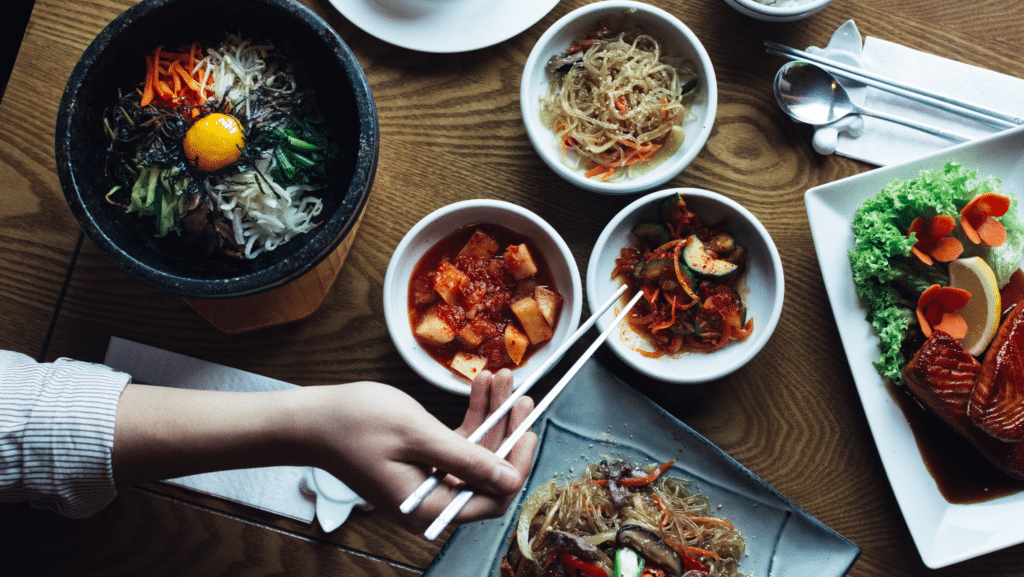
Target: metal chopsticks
x,y
976,112
465,495
421,492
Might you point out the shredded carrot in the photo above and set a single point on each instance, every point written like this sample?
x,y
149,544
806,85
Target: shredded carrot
x,y
664,510
679,269
627,153
147,92
640,481
672,316
169,83
712,520
692,551
726,333
745,332
620,103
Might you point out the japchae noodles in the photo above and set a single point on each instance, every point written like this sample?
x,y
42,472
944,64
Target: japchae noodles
x,y
616,515
221,147
617,99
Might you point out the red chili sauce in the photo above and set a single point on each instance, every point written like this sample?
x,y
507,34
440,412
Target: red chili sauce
x,y
467,306
689,274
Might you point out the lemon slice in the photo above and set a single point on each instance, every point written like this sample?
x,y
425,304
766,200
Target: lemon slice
x,y
982,311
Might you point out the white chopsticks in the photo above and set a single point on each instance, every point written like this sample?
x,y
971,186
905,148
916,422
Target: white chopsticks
x,y
976,112
463,497
431,482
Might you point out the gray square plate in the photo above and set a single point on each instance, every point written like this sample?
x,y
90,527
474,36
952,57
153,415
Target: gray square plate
x,y
600,417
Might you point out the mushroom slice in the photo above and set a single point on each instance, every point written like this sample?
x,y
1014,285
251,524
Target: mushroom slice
x,y
652,547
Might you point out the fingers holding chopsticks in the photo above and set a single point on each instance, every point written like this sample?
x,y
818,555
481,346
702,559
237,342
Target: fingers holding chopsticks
x,y
496,480
509,474
487,394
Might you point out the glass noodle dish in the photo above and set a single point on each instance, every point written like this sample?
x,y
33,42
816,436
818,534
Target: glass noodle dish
x,y
620,520
221,147
617,101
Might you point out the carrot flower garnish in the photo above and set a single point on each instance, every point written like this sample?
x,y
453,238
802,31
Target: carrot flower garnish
x,y
933,240
936,310
978,218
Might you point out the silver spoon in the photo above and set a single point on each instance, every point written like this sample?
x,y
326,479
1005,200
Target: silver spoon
x,y
811,94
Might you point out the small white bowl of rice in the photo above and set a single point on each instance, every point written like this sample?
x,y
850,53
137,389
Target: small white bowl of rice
x,y
778,10
677,67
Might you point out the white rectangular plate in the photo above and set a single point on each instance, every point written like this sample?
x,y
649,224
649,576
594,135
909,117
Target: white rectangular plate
x,y
944,533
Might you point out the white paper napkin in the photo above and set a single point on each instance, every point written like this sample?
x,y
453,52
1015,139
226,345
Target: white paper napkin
x,y
295,492
883,143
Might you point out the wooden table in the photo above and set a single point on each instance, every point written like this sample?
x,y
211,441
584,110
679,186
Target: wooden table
x,y
792,415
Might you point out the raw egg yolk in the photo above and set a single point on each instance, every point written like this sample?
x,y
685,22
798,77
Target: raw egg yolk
x,y
214,141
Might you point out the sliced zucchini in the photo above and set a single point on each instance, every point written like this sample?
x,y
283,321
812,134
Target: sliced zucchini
x,y
657,269
663,271
672,206
652,234
722,242
703,264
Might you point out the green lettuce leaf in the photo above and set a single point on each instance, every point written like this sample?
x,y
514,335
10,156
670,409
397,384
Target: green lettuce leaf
x,y
889,279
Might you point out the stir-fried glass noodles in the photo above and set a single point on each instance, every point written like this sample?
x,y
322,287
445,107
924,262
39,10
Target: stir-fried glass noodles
x,y
220,147
616,516
617,99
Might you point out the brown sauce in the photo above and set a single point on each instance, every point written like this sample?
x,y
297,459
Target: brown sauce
x,y
963,475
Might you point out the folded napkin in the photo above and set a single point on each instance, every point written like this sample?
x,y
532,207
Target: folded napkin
x,y
295,492
882,142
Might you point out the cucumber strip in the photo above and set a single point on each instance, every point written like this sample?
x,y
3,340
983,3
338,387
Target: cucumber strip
x,y
284,163
296,143
628,563
672,204
301,161
656,269
703,264
651,234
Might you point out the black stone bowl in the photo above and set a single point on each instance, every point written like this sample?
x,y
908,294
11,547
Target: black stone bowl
x,y
116,60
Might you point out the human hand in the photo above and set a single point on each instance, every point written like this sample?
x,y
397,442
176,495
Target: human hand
x,y
376,439
383,444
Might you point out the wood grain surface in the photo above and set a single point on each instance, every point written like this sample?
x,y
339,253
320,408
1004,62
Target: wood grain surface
x,y
451,130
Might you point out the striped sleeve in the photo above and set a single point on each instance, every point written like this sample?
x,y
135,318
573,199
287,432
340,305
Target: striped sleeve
x,y
57,433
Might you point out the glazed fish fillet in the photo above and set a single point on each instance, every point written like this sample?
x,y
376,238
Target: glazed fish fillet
x,y
997,403
943,375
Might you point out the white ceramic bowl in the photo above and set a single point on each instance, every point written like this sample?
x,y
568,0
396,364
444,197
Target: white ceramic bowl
x,y
763,293
677,40
438,225
787,13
